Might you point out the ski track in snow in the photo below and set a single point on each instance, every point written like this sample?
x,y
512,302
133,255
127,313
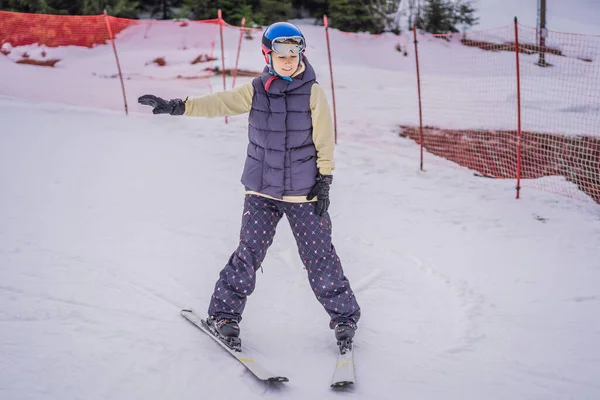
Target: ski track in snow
x,y
436,291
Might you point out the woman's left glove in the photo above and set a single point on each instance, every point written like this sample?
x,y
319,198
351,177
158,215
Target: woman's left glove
x,y
161,106
321,190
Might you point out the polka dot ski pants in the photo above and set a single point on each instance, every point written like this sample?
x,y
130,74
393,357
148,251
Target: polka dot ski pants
x,y
313,237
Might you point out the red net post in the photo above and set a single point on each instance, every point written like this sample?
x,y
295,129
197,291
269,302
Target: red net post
x,y
518,75
237,57
243,58
326,24
112,40
416,42
221,23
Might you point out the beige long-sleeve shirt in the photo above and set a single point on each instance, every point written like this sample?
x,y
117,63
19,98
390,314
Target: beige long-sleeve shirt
x,y
238,101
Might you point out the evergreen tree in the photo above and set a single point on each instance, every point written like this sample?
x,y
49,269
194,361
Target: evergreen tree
x,y
275,10
315,8
160,9
115,8
29,6
446,16
351,16
386,15
200,9
232,10
257,12
66,7
438,16
465,14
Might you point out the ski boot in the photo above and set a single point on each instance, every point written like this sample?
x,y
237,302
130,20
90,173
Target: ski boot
x,y
344,332
227,330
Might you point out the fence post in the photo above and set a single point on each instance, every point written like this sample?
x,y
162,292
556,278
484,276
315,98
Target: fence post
x,y
237,58
326,23
212,56
542,34
519,161
419,92
112,39
221,22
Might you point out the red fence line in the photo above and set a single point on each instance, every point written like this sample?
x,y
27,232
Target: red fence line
x,y
419,96
518,109
237,57
326,24
22,29
221,23
112,39
515,151
567,143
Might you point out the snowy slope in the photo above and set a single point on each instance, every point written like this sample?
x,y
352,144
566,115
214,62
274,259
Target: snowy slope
x,y
109,225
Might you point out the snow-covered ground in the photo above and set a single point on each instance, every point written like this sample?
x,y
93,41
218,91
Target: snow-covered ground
x,y
110,224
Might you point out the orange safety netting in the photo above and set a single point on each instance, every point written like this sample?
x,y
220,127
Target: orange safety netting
x,y
534,118
167,58
560,107
22,29
472,91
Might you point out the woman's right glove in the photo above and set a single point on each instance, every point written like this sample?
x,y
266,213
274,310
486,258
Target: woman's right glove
x,y
321,190
161,106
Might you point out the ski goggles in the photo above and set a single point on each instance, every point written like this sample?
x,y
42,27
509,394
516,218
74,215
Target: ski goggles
x,y
283,45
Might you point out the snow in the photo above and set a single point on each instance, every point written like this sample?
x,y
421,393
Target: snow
x,y
577,16
111,224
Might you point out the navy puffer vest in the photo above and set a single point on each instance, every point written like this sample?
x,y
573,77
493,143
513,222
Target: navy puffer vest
x,y
281,158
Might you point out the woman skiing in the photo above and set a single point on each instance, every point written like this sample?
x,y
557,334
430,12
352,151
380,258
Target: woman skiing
x,y
288,171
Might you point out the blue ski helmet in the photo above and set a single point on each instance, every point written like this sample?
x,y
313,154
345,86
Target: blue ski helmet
x,y
283,37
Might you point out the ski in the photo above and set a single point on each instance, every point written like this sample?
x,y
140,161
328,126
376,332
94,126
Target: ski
x,y
252,365
344,369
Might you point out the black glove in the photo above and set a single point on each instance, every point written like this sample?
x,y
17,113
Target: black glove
x,y
161,106
321,190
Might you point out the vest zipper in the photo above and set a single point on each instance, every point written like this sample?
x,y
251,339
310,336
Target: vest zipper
x,y
285,149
